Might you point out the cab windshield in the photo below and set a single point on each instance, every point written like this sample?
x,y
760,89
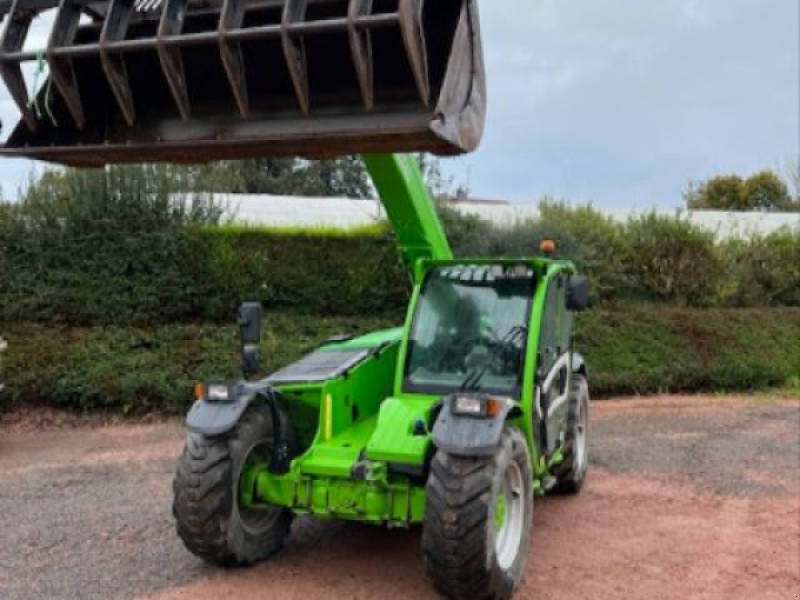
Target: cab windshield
x,y
470,330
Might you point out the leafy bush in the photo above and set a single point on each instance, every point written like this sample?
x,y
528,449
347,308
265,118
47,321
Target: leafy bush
x,y
642,350
629,350
469,235
122,247
652,257
764,191
141,370
671,260
762,271
590,238
594,241
316,272
102,246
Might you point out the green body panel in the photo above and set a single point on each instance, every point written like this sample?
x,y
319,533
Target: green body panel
x,y
374,501
344,413
320,481
365,442
302,404
394,440
371,340
335,457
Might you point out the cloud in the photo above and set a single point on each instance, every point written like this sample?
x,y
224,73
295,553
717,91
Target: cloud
x,y
622,102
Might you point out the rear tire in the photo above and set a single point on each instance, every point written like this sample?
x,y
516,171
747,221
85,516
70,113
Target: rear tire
x,y
571,473
478,521
206,507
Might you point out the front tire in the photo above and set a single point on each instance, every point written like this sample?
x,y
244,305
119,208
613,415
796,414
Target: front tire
x,y
210,521
478,521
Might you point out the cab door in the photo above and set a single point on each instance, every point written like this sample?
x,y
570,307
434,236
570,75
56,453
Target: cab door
x,y
554,362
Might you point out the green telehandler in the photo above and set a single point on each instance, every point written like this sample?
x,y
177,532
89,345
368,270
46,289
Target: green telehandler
x,y
455,421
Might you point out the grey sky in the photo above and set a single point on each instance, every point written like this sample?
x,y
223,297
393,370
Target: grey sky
x,y
623,101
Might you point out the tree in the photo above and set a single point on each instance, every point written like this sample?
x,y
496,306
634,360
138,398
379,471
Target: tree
x,y
438,183
125,197
255,176
792,173
765,192
723,192
283,176
345,177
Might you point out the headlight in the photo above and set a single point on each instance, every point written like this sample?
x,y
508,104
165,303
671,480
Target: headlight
x,y
218,392
480,406
469,405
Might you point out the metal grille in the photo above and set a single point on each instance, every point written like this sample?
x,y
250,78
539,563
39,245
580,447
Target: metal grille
x,y
193,80
319,366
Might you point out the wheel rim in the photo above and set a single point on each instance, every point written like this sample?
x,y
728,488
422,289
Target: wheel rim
x,y
255,520
509,517
581,436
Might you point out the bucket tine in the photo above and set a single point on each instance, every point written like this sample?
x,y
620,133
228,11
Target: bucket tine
x,y
411,24
295,51
14,34
361,49
232,17
62,68
114,30
173,16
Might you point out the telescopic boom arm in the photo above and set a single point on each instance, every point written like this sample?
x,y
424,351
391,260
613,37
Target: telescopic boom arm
x,y
409,208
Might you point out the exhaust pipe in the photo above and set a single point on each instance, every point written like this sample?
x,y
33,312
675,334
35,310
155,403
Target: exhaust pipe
x,y
190,81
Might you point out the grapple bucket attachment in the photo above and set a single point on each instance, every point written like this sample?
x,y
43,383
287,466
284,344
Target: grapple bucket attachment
x,y
190,81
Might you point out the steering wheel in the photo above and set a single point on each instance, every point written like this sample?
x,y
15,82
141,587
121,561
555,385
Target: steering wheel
x,y
454,355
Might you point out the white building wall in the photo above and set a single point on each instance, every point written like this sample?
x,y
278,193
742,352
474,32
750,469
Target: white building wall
x,y
343,213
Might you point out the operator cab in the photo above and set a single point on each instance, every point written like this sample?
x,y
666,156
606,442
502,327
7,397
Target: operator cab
x,y
470,330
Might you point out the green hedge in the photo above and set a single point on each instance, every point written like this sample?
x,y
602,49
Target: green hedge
x,y
119,247
198,275
651,257
141,370
192,274
629,349
309,272
643,350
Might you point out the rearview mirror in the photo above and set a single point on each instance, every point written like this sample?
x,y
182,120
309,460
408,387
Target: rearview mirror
x,y
250,323
250,315
578,293
251,360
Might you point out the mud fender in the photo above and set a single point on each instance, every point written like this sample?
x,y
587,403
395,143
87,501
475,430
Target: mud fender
x,y
212,418
469,436
579,365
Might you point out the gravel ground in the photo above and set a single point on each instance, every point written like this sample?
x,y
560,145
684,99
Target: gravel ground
x,y
688,498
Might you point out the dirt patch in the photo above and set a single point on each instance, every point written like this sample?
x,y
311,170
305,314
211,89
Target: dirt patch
x,y
627,537
35,419
688,498
710,444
